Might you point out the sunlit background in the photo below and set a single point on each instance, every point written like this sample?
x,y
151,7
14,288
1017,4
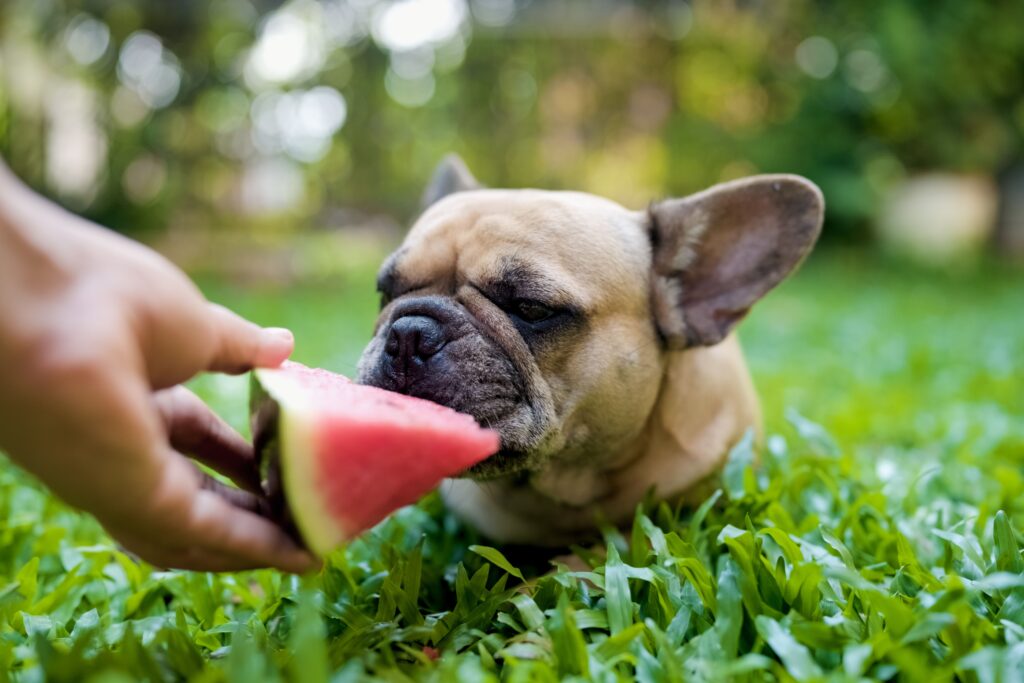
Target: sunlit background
x,y
225,131
277,150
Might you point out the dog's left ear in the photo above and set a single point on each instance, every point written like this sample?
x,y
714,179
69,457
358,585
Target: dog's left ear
x,y
450,176
719,251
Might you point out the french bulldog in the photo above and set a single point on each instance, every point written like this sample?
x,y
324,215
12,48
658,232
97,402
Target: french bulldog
x,y
597,340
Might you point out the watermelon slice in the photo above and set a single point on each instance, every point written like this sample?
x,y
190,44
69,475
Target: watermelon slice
x,y
339,456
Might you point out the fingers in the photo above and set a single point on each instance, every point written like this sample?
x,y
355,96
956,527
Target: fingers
x,y
192,517
197,431
185,522
240,345
243,500
250,538
193,559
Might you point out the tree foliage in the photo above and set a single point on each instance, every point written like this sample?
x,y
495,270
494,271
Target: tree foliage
x,y
631,100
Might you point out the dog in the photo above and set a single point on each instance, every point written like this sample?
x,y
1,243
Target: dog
x,y
598,341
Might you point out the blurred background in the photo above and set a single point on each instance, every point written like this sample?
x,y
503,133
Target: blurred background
x,y
207,125
278,150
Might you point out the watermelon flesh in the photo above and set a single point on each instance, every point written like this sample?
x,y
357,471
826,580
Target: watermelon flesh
x,y
342,456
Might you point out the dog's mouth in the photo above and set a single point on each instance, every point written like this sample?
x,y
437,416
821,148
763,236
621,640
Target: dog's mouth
x,y
499,413
504,462
511,457
437,353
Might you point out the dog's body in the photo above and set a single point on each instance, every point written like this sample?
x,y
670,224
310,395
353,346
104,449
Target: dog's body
x,y
705,404
595,339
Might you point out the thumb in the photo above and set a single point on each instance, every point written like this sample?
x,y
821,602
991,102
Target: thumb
x,y
240,345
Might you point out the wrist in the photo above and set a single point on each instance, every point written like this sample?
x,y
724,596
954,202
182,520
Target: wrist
x,y
32,237
6,182
12,202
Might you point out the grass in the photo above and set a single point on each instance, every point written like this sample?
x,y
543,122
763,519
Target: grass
x,y
879,539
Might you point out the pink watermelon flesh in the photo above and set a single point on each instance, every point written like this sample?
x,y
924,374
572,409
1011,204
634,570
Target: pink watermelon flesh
x,y
348,454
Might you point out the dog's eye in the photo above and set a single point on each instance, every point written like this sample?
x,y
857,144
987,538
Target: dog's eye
x,y
531,311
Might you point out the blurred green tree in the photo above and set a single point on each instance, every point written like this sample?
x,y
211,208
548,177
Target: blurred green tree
x,y
267,116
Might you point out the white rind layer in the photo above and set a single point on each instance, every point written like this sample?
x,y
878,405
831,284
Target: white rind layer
x,y
297,444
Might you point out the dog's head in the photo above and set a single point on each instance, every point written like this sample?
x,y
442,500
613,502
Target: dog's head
x,y
548,315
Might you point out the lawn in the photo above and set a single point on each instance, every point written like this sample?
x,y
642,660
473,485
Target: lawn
x,y
880,537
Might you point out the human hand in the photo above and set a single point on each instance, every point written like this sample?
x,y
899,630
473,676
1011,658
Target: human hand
x,y
96,334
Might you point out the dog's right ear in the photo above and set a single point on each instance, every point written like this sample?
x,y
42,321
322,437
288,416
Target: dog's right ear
x,y
717,252
450,176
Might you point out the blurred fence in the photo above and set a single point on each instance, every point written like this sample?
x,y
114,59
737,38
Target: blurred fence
x,y
267,118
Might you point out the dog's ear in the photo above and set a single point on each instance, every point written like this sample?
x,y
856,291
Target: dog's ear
x,y
450,176
717,252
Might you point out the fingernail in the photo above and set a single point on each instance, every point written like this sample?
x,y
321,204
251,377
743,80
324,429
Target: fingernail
x,y
280,334
276,345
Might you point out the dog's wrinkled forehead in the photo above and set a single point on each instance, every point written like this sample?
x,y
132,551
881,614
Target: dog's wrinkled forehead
x,y
562,240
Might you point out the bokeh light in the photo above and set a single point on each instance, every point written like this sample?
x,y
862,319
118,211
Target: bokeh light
x,y
149,69
349,103
87,39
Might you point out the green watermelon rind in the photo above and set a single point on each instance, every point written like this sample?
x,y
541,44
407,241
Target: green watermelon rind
x,y
320,529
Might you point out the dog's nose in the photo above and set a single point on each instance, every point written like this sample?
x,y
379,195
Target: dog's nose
x,y
411,341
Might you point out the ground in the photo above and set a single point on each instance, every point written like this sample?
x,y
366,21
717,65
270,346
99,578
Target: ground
x,y
878,539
